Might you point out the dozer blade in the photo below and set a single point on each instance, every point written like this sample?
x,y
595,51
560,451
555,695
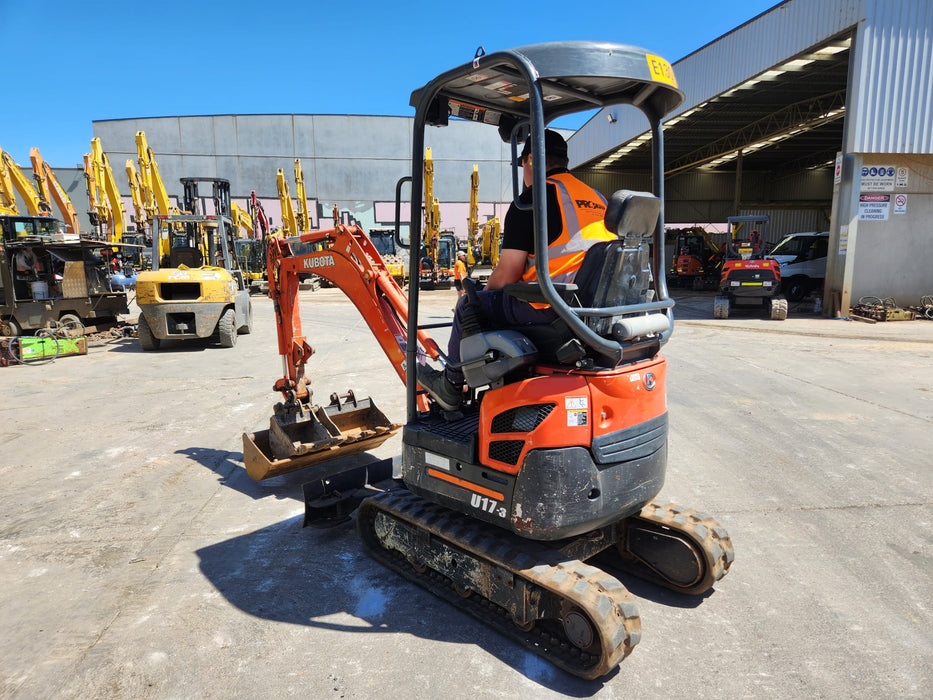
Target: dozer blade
x,y
345,427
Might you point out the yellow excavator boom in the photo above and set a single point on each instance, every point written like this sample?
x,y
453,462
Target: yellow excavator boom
x,y
35,206
140,219
49,186
289,221
473,219
103,194
432,211
155,196
303,215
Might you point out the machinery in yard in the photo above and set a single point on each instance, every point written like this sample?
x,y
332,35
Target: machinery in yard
x,y
393,254
483,240
439,248
521,506
47,282
48,278
105,204
748,278
194,289
250,248
697,259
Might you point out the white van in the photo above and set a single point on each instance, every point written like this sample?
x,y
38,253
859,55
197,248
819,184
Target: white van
x,y
803,263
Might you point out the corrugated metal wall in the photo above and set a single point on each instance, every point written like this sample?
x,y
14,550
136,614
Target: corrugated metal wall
x,y
893,91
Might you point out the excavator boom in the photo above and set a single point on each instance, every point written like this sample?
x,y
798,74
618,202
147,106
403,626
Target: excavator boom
x,y
50,187
14,179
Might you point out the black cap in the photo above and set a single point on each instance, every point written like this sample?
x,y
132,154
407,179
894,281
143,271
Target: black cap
x,y
554,145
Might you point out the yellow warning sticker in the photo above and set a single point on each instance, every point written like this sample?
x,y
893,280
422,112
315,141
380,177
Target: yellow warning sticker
x,y
661,70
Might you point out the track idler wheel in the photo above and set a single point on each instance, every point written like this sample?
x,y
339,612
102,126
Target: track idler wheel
x,y
681,549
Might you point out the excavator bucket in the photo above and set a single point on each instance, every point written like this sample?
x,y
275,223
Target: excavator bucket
x,y
346,426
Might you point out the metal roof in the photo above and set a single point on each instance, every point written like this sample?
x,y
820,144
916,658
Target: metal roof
x,y
786,118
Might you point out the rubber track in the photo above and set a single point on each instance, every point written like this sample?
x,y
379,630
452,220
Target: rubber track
x,y
701,529
605,600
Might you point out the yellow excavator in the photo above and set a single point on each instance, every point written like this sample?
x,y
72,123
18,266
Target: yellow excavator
x,y
194,289
432,271
483,241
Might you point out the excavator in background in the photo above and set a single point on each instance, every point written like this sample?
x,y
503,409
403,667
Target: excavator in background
x,y
49,188
303,215
484,241
194,289
156,200
433,273
140,239
13,181
289,220
697,259
251,248
393,255
107,213
748,278
519,507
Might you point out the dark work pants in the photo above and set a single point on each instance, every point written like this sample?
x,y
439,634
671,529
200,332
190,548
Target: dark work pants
x,y
500,311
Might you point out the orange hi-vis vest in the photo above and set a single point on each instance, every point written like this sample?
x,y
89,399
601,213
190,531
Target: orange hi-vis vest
x,y
582,210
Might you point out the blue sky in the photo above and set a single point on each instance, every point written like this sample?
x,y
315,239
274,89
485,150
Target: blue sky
x,y
70,63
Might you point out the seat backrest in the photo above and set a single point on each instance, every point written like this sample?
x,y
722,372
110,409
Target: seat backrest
x,y
189,257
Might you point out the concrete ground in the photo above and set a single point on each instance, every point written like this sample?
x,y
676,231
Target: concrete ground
x,y
137,558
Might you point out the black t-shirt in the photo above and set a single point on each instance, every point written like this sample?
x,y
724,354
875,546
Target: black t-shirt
x,y
519,229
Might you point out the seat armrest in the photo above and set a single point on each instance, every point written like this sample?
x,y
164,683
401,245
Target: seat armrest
x,y
531,291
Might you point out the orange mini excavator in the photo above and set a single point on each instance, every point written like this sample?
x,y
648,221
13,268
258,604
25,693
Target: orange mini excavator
x,y
523,506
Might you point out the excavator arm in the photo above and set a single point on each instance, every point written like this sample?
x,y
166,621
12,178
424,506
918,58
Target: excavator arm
x,y
140,219
432,214
473,220
103,195
8,204
301,435
303,216
35,205
289,221
155,196
351,262
49,186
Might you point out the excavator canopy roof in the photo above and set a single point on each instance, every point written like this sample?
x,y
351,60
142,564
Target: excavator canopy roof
x,y
574,76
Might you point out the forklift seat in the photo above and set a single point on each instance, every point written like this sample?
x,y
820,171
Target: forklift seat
x,y
189,257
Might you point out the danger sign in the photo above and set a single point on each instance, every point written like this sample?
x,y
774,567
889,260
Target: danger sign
x,y
874,207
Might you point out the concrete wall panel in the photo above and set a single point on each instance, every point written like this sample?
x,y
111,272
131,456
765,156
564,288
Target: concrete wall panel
x,y
197,135
225,134
265,135
341,136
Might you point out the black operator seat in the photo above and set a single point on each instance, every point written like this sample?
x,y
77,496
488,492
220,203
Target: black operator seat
x,y
613,273
183,255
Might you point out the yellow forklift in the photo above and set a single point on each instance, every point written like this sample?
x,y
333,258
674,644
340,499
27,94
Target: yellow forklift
x,y
194,289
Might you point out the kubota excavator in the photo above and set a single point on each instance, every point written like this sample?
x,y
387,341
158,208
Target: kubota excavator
x,y
520,507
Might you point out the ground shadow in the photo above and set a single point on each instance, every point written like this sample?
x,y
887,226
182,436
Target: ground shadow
x,y
228,466
284,573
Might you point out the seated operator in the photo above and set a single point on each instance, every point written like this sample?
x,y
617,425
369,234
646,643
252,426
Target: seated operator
x,y
575,222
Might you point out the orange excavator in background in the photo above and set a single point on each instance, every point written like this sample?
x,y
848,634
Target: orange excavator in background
x,y
521,507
